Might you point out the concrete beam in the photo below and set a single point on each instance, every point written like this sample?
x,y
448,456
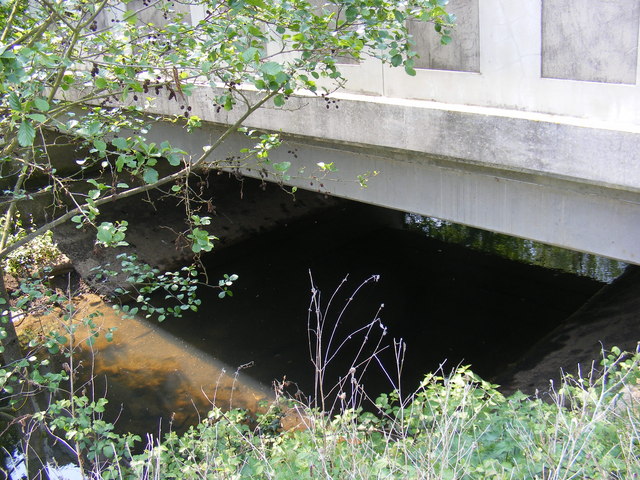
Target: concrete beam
x,y
550,209
589,152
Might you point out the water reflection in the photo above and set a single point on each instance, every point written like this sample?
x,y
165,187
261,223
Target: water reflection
x,y
528,251
156,380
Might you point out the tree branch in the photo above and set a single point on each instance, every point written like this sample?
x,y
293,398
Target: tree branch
x,y
144,188
12,208
7,27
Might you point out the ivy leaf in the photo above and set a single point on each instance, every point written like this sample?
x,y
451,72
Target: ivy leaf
x,y
150,175
26,134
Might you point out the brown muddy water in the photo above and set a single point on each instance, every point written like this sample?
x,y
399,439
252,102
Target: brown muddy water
x,y
449,304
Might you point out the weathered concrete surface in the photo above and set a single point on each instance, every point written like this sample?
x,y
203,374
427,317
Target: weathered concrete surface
x,y
551,209
502,42
577,43
611,318
565,148
463,55
241,210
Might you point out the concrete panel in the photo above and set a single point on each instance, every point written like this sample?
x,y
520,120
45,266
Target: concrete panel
x,y
590,40
510,66
463,53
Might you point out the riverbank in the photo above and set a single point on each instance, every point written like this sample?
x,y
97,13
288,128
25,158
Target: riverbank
x,y
610,318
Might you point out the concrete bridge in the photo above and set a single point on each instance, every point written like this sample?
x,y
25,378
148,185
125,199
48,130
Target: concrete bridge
x,y
527,124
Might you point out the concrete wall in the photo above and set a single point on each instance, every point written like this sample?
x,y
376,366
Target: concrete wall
x,y
573,58
464,54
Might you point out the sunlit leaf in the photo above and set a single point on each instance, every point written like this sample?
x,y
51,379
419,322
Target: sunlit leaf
x,y
41,104
26,134
150,175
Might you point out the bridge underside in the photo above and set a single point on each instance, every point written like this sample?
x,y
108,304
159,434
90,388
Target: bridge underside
x,y
562,212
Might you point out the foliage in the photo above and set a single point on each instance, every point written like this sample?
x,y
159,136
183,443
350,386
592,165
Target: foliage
x,y
453,427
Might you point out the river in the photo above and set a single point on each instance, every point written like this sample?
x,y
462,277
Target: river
x,y
448,303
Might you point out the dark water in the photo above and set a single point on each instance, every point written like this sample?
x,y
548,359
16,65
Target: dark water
x,y
449,304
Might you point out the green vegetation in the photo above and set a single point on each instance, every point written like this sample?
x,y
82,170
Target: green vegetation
x,y
453,427
38,252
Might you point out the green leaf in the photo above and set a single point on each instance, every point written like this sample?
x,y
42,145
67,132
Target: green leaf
x,y
249,54
282,166
130,17
120,143
14,102
445,40
396,60
174,159
104,234
271,68
150,175
100,145
351,13
278,100
26,134
37,117
41,104
410,70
